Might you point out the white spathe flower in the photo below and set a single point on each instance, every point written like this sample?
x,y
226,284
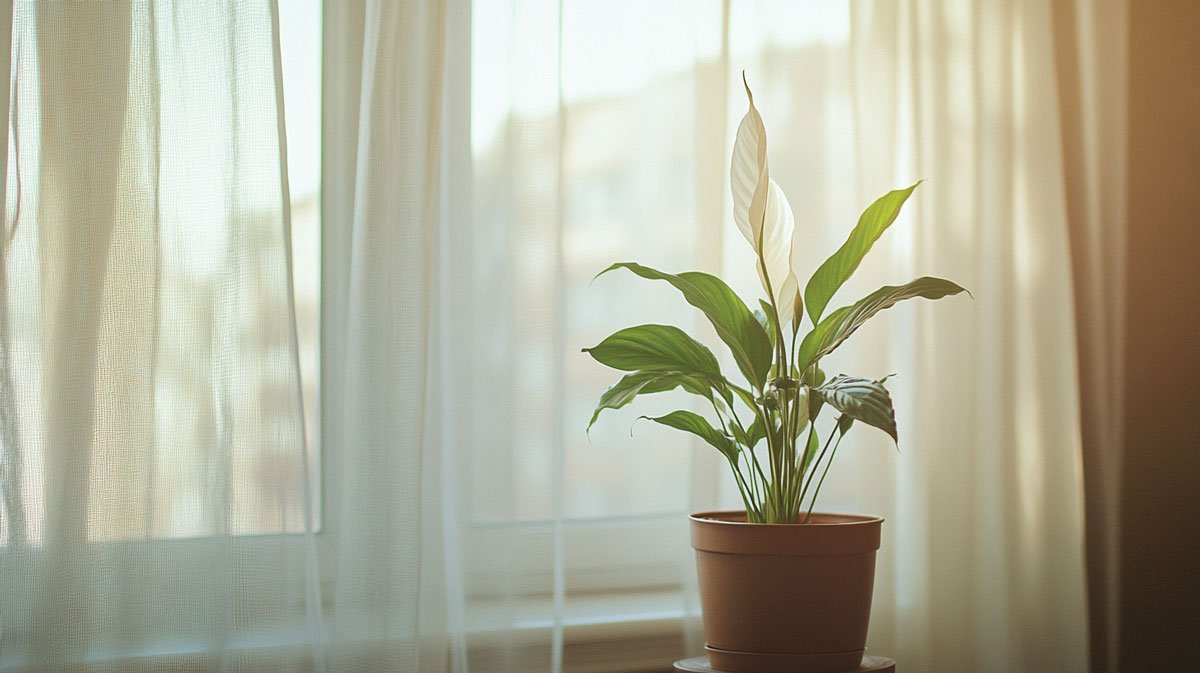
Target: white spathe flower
x,y
762,212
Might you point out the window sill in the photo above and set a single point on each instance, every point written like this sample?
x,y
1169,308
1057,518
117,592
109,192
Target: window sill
x,y
603,632
609,632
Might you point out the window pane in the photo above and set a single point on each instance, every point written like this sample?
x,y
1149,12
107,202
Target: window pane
x,y
560,193
603,135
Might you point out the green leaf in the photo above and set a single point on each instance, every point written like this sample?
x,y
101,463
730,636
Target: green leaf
x,y
839,325
863,400
815,402
803,407
810,449
697,425
797,312
813,377
734,323
841,264
768,318
656,348
766,323
747,397
845,421
738,435
630,386
755,433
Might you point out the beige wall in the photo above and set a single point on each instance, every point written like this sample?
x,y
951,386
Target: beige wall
x,y
1160,495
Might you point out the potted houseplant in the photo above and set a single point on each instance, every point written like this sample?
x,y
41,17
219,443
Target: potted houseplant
x,y
783,588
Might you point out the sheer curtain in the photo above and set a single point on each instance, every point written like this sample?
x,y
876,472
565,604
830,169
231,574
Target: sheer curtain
x,y
157,511
390,542
161,509
1091,40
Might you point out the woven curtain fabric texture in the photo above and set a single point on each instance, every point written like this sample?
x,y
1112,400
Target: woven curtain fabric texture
x,y
987,521
155,497
389,496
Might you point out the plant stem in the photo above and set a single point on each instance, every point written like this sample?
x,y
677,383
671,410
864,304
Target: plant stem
x,y
793,487
813,503
805,459
751,512
796,475
772,463
737,473
784,472
793,430
754,491
761,475
817,463
780,466
801,468
753,482
795,328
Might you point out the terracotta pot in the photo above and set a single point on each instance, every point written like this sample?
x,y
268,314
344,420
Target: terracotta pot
x,y
785,598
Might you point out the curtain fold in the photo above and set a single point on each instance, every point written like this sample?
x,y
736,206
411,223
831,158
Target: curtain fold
x,y
987,528
1091,44
391,515
156,505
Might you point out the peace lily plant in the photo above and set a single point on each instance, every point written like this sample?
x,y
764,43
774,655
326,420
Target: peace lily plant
x,y
775,411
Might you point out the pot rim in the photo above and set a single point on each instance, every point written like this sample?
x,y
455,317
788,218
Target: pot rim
x,y
725,517
845,534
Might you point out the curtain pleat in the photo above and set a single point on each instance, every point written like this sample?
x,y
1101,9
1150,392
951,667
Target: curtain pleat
x,y
156,502
391,534
1091,47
